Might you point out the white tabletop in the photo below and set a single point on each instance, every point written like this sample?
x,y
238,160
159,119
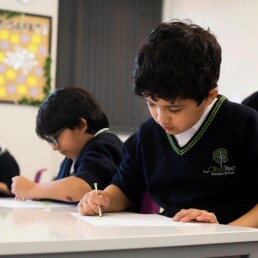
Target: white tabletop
x,y
42,228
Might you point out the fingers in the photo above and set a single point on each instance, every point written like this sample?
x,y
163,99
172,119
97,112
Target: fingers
x,y
18,198
85,206
13,186
208,217
195,215
14,178
90,203
20,187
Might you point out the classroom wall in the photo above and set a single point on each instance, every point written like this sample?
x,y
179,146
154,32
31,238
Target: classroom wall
x,y
234,22
17,128
17,133
40,7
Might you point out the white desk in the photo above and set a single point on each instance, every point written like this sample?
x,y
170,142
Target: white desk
x,y
53,232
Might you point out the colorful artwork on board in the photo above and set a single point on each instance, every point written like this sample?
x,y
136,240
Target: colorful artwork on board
x,y
24,48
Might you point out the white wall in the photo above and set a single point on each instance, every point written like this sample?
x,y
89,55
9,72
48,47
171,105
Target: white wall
x,y
17,126
234,22
17,133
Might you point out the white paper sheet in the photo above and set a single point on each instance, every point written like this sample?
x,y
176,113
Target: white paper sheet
x,y
12,203
127,219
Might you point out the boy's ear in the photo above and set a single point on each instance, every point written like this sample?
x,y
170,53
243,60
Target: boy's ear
x,y
213,93
83,125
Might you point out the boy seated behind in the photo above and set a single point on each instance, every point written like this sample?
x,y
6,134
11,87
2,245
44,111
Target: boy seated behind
x,y
73,123
8,169
197,155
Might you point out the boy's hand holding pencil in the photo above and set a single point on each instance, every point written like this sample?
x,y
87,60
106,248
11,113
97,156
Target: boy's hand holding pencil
x,y
93,202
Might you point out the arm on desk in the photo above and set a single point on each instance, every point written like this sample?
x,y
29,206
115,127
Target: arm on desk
x,y
249,219
112,199
70,189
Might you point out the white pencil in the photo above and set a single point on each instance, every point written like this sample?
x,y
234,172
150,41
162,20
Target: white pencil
x,y
96,188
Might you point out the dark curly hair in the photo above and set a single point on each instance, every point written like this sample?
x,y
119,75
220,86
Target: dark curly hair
x,y
179,60
64,108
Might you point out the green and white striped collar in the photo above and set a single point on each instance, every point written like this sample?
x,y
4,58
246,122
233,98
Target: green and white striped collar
x,y
200,132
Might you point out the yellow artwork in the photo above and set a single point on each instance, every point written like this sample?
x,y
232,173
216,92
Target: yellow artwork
x,y
24,48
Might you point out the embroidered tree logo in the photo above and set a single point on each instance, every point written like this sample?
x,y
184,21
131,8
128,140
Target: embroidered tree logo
x,y
220,156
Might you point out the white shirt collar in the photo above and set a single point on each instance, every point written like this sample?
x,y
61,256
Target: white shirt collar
x,y
184,137
101,131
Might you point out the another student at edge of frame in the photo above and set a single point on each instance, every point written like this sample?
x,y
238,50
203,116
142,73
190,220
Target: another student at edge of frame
x,y
251,101
8,169
73,122
197,155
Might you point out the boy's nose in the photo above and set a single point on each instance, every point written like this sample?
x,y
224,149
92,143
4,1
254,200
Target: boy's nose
x,y
162,117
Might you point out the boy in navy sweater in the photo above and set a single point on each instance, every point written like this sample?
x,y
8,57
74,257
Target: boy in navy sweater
x,y
74,124
197,155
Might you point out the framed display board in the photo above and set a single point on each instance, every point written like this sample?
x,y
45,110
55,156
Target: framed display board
x,y
25,41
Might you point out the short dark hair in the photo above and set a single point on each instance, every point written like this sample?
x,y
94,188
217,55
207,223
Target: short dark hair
x,y
178,60
64,108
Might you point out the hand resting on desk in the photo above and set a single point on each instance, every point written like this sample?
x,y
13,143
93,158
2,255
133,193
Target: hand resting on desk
x,y
195,214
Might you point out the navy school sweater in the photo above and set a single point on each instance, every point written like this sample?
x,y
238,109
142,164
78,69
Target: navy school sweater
x,y
217,170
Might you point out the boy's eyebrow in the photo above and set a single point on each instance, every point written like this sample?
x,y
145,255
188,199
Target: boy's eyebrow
x,y
176,105
171,105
